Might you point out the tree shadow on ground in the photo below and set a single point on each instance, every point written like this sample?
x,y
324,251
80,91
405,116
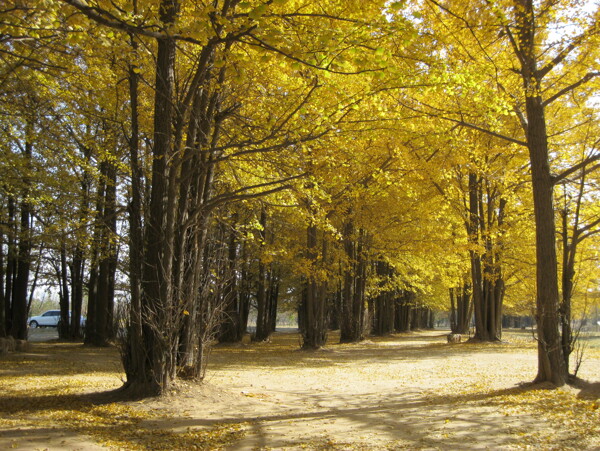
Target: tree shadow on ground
x,y
409,419
588,390
384,350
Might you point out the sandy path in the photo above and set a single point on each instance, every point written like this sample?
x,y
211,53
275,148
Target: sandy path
x,y
411,391
414,392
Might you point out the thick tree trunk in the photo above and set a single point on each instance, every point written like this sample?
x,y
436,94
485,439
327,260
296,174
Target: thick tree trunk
x,y
20,292
461,309
63,324
353,323
152,365
273,296
77,274
487,283
384,305
2,288
134,362
312,314
263,329
551,365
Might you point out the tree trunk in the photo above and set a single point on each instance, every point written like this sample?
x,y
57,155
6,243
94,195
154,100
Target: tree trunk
x,y
263,330
11,262
19,292
484,217
153,367
230,325
384,304
134,360
404,311
2,287
461,309
63,324
551,365
353,324
312,314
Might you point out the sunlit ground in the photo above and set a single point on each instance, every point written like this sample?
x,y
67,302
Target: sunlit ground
x,y
411,391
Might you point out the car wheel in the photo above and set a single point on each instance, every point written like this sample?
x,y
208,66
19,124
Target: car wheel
x,y
33,324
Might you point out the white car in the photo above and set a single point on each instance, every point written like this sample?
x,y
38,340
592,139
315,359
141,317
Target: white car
x,y
48,319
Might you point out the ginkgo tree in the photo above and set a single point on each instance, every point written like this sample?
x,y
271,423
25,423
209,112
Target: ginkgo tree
x,y
200,50
539,70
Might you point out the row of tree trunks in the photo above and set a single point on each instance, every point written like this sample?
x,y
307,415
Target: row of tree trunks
x,y
267,288
312,318
385,302
237,291
486,213
422,318
404,311
15,269
101,283
354,317
461,309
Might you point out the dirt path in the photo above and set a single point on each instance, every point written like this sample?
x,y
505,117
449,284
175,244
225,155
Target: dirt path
x,y
413,391
410,391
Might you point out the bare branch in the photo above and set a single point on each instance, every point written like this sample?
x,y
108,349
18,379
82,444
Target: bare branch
x,y
587,77
242,193
260,43
541,73
578,235
582,164
468,125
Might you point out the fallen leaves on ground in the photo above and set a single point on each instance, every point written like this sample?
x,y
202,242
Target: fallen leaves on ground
x,y
53,398
408,391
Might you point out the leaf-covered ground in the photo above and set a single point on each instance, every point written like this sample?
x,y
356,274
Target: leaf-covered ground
x,y
411,391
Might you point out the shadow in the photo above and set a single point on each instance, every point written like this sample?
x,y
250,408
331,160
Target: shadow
x,y
382,350
62,359
407,417
400,417
97,416
588,390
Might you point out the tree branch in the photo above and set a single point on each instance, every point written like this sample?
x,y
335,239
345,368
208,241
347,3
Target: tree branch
x,y
260,43
541,73
242,194
587,77
468,125
557,178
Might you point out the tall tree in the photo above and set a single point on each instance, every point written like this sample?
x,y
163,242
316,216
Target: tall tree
x,y
547,73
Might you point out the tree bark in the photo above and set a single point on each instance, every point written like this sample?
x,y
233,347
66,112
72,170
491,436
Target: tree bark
x,y
353,325
551,367
314,323
461,309
63,324
384,304
19,290
2,287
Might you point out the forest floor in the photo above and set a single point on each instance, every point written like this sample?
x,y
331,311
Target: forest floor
x,y
408,391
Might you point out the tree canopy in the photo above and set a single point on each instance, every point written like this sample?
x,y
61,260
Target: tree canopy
x,y
171,164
